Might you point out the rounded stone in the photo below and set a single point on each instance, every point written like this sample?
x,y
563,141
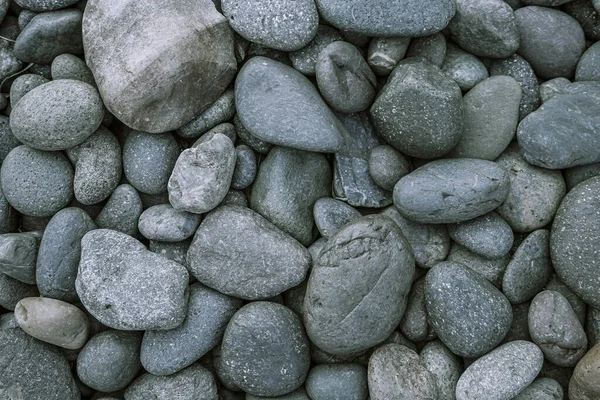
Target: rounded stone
x,y
491,269
586,14
432,48
542,389
163,222
223,109
122,211
578,305
589,64
23,85
44,5
305,59
18,253
415,321
12,291
258,145
488,236
246,167
584,381
552,87
445,366
386,52
463,68
68,66
337,382
265,350
387,165
331,215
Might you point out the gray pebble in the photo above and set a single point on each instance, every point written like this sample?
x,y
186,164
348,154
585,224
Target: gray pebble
x,y
578,305
542,389
592,326
331,215
386,52
149,200
299,394
8,141
235,197
502,373
265,350
337,382
586,14
36,182
245,167
68,66
208,312
18,254
258,145
10,65
12,291
239,253
45,5
163,222
552,87
432,48
218,112
225,128
23,85
122,211
444,366
127,287
255,49
589,64
305,59
173,251
415,321
468,313
491,269
530,268
387,165
358,287
555,328
464,68
519,329
488,236
9,217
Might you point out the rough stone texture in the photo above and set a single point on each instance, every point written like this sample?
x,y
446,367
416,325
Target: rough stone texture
x,y
246,167
358,287
391,18
491,269
432,48
281,106
551,87
542,389
491,115
331,215
337,382
502,373
265,350
584,382
68,66
24,84
555,328
534,194
44,5
127,287
12,291
467,312
397,372
288,184
444,366
387,165
589,64
8,141
239,253
9,217
218,112
415,321
163,222
463,68
419,110
488,236
258,145
386,52
449,191
35,182
122,211
18,254
155,81
167,352
586,14
573,241
305,59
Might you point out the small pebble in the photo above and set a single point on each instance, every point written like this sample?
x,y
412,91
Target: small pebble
x,y
163,222
464,68
331,215
18,254
385,53
488,236
246,167
337,382
122,211
387,166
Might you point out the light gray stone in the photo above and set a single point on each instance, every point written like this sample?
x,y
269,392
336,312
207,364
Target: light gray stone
x,y
163,222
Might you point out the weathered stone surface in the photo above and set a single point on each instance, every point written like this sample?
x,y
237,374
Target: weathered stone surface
x,y
463,68
23,85
584,382
122,211
387,165
305,59
488,236
337,381
542,389
386,52
68,66
12,291
331,215
415,321
589,64
491,269
163,222
577,304
45,5
444,366
221,110
246,167
18,254
432,48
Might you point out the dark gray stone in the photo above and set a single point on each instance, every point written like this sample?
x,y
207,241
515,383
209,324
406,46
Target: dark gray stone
x,y
542,389
358,287
299,394
414,324
534,194
501,374
163,222
578,305
444,366
220,111
337,382
50,34
68,66
491,116
9,217
239,253
530,268
35,182
156,80
592,326
279,24
148,160
331,215
33,370
419,110
449,191
18,254
9,63
391,18
519,329
265,350
589,64
486,28
60,252
173,251
235,197
23,85
260,146
305,59
555,328
122,211
551,87
488,236
245,167
208,312
127,287
12,291
386,52
491,269
468,313
255,49
551,41
387,165
225,128
586,14
463,68
287,185
432,48
45,5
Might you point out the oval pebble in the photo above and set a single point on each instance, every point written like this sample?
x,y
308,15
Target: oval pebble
x,y
122,211
305,59
221,110
331,215
387,166
432,48
463,68
444,366
23,84
68,66
488,236
491,269
163,222
246,167
337,381
18,253
542,389
589,64
385,53
584,381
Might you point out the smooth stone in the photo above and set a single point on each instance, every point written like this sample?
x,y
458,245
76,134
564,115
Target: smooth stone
x,y
202,175
36,182
592,326
501,374
432,48
173,251
299,394
8,141
488,236
208,312
9,217
122,211
68,66
258,145
246,167
149,159
555,328
358,287
415,321
586,14
344,78
542,389
486,28
467,312
279,105
397,372
60,253
352,182
530,268
239,253
385,53
337,382
584,382
12,291
387,166
392,18
589,64
98,167
331,215
225,128
33,370
23,85
305,59
552,137
491,116
419,110
430,243
110,360
163,222
578,305
53,321
194,382
218,112
281,25
265,350
44,5
534,193
463,68
50,34
551,41
444,366
518,68
235,197
451,190
127,287
552,87
288,184
18,254
491,269
159,83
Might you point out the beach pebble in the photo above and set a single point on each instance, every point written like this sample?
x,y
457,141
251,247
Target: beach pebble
x,y
551,87
68,66
589,64
331,215
542,389
386,52
444,366
337,382
23,84
12,291
463,68
491,269
45,5
163,222
18,254
305,59
122,211
584,382
488,236
221,110
432,48
387,165
246,167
